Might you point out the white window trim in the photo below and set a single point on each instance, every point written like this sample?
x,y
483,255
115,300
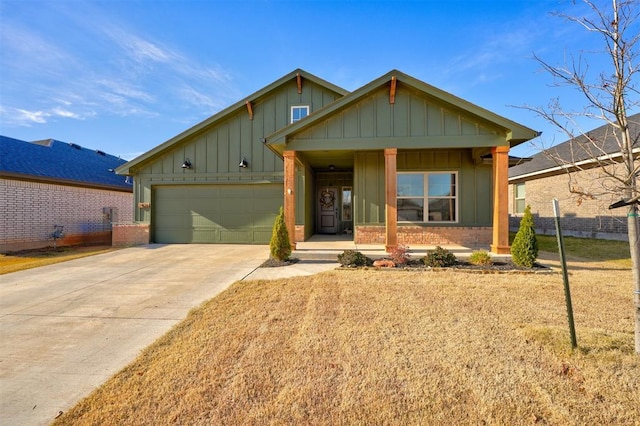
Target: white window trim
x,y
301,107
425,197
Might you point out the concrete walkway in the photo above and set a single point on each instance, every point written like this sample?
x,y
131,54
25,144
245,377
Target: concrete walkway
x,y
66,328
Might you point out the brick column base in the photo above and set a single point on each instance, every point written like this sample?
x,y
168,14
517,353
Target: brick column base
x,y
130,234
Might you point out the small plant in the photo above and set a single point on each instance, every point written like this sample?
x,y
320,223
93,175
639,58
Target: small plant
x,y
439,257
524,250
399,254
480,257
353,258
279,245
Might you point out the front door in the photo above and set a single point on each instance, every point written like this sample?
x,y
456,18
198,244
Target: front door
x,y
328,211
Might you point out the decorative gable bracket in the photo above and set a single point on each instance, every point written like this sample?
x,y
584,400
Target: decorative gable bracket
x,y
392,92
250,110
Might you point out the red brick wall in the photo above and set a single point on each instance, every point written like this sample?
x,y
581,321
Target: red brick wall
x,y
31,209
417,235
130,234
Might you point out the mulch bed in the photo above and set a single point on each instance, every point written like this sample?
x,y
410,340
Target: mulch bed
x,y
273,263
497,267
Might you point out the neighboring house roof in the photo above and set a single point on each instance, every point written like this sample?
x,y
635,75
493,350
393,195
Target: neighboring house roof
x,y
60,162
514,133
581,150
255,97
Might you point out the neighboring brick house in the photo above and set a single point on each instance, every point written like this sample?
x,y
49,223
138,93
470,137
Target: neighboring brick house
x,y
583,194
51,185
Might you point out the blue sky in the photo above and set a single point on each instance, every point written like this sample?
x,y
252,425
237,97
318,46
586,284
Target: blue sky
x,y
125,76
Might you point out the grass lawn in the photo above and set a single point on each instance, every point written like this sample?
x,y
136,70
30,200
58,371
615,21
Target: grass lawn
x,y
390,347
28,259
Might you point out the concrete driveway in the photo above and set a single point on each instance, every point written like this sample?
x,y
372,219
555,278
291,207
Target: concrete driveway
x,y
66,328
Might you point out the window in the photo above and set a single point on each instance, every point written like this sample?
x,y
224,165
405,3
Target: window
x,y
427,197
519,198
346,203
298,113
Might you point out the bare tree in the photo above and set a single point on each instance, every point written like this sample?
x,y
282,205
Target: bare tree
x,y
610,95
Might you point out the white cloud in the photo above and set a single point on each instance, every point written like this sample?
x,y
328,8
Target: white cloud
x,y
126,90
107,69
65,113
136,47
21,117
194,97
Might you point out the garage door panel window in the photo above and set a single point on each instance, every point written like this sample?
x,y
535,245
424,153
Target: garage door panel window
x,y
427,197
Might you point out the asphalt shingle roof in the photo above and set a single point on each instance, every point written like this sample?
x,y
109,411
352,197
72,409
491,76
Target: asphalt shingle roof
x,y
578,149
60,161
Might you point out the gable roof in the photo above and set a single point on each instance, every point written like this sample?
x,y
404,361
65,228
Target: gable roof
x,y
60,162
242,104
514,133
581,150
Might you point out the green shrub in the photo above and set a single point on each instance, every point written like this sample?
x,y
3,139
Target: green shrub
x,y
480,257
439,257
353,258
279,246
524,250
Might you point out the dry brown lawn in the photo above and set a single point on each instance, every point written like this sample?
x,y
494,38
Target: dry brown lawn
x,y
389,347
29,259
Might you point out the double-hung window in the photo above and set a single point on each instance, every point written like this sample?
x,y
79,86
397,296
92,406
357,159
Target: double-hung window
x,y
428,197
519,195
299,112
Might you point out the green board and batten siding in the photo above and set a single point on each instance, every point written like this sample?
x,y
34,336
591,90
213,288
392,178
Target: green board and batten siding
x,y
474,183
216,201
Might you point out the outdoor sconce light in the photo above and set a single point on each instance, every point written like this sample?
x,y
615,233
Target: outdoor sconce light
x,y
186,164
243,163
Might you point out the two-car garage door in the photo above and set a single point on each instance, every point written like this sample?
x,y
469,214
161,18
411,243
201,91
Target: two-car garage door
x,y
215,213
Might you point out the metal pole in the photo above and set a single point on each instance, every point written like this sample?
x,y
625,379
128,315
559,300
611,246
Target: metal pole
x,y
565,276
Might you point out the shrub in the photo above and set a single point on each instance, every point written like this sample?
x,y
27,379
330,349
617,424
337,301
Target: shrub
x,y
279,245
353,258
480,257
524,250
439,257
399,254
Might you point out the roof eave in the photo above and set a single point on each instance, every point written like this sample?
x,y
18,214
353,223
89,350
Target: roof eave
x,y
67,182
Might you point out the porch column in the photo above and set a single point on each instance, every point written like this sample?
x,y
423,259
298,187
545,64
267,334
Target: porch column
x,y
290,195
391,193
500,244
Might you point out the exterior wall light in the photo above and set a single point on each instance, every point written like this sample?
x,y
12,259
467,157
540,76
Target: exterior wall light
x,y
243,163
187,164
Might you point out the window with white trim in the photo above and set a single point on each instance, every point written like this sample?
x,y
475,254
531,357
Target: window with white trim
x,y
519,201
299,112
427,197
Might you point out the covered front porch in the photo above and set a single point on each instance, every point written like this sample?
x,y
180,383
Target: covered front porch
x,y
311,176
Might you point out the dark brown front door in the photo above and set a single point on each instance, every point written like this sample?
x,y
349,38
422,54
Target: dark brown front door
x,y
327,211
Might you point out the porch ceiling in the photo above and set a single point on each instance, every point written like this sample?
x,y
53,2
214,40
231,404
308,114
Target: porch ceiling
x,y
321,160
